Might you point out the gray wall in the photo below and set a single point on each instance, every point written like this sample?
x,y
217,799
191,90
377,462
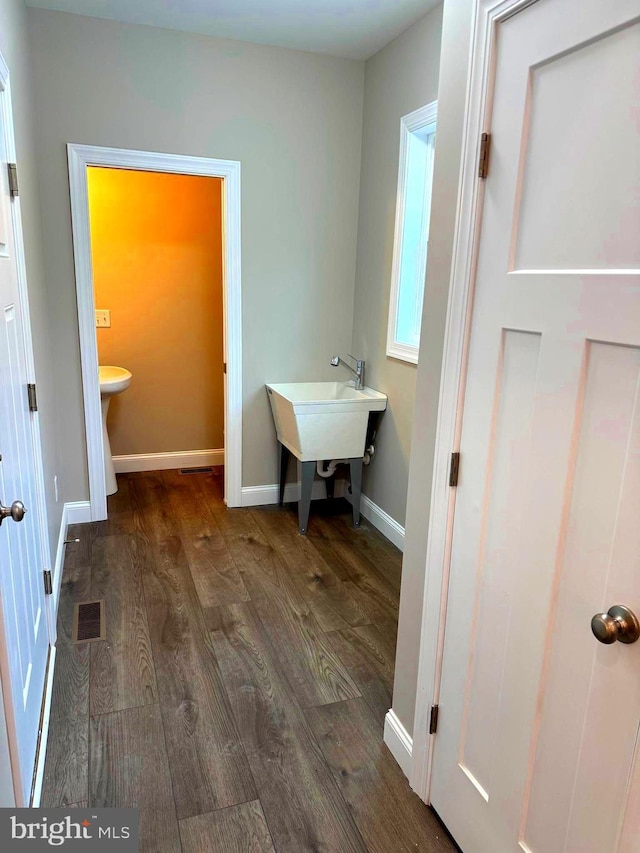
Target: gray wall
x,y
14,46
400,78
456,34
293,119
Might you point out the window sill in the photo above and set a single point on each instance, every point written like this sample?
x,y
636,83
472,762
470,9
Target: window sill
x,y
403,352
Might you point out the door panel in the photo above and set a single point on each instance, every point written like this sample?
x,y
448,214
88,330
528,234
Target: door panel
x,y
24,640
577,104
599,562
538,723
509,455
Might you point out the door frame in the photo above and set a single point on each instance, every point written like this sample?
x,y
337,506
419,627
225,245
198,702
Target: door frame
x,y
488,14
80,157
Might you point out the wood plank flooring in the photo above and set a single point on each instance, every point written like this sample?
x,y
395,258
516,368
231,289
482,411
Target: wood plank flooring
x,y
238,829
238,699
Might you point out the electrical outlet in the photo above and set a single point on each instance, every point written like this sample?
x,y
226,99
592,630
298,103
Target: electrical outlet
x,y
103,318
55,486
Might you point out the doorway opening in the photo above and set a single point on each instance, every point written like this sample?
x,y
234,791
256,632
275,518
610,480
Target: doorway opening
x,y
157,255
156,252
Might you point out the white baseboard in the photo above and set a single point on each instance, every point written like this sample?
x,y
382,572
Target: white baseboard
x,y
44,737
58,567
399,742
62,535
73,512
263,495
77,512
166,461
383,522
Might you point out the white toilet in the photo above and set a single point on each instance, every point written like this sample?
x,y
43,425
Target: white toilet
x,y
113,380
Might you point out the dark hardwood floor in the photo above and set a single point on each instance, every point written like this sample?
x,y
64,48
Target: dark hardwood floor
x,y
238,698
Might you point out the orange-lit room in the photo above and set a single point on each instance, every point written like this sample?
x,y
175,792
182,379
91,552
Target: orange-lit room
x,y
156,246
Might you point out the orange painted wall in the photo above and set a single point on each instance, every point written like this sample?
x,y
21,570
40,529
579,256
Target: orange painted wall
x,y
156,243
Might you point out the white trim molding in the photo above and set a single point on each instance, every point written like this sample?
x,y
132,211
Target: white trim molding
x,y
383,522
166,461
78,512
267,495
41,756
56,575
487,15
80,157
73,512
399,742
424,117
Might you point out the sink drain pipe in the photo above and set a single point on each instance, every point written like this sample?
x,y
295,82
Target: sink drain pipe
x,y
330,470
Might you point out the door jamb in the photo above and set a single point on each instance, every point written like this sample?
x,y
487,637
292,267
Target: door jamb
x,y
80,157
487,15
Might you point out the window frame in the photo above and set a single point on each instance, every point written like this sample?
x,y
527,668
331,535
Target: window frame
x,y
410,123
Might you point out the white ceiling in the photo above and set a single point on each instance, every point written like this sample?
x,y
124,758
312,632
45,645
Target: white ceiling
x,y
350,28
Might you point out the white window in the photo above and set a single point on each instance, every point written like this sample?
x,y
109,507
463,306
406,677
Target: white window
x,y
413,209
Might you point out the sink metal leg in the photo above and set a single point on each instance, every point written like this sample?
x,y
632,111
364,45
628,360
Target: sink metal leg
x,y
308,470
355,468
331,484
284,465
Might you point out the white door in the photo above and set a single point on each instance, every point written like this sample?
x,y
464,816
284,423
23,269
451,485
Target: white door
x,y
538,724
24,640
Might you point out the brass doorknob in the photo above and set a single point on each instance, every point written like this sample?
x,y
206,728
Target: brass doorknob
x,y
16,511
619,623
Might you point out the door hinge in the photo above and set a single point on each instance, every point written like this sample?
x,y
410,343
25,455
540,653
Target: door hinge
x,y
33,400
485,147
48,583
433,719
13,179
454,470
224,366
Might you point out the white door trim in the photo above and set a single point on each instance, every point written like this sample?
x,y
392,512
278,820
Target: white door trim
x,y
82,156
487,15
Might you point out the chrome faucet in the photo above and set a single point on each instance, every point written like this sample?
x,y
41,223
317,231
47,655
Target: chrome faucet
x,y
358,371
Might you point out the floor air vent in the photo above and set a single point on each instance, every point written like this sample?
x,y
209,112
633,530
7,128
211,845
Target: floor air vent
x,y
206,469
88,622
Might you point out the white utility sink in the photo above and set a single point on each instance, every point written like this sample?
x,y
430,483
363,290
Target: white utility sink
x,y
323,420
